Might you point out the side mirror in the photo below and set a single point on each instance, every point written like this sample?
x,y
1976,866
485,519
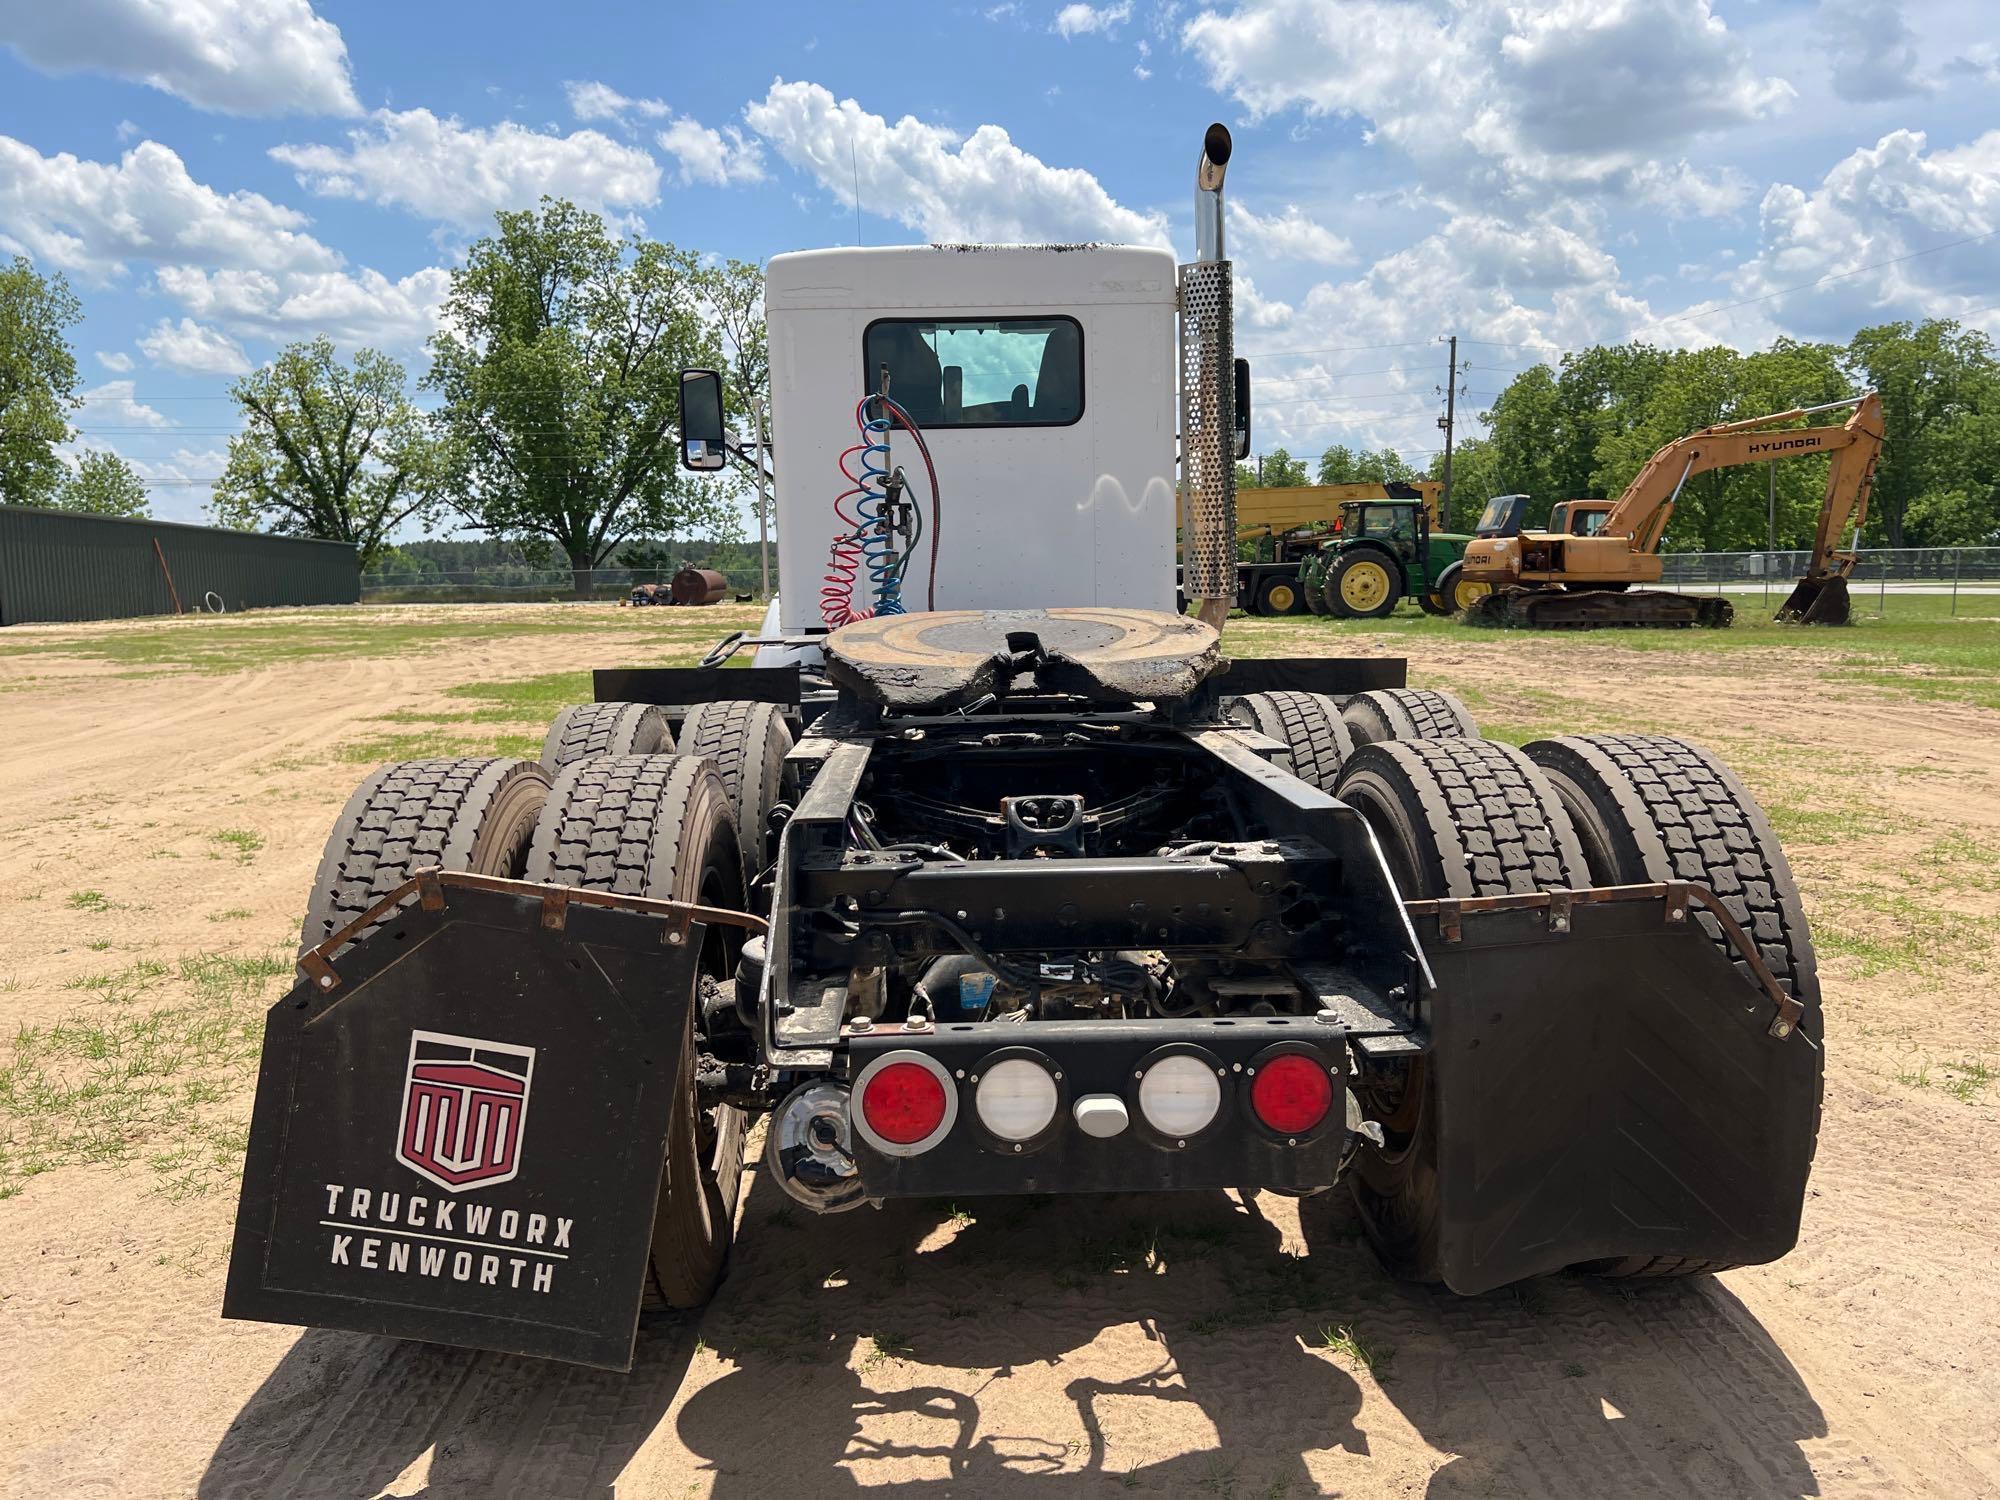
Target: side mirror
x,y
1242,408
703,440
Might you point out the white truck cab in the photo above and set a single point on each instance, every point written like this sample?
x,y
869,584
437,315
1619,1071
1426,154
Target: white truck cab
x,y
1041,376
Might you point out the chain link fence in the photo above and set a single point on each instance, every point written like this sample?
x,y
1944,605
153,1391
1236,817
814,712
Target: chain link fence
x,y
525,585
1916,580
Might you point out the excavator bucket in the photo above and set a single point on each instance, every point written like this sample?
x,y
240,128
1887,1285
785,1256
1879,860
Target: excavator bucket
x,y
461,1119
1818,601
1609,1087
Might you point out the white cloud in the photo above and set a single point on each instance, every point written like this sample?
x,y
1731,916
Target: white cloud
x,y
94,217
351,308
1980,61
945,185
111,405
1516,98
239,57
718,158
1873,50
600,101
442,169
1288,236
1084,20
1879,203
117,363
192,349
1678,190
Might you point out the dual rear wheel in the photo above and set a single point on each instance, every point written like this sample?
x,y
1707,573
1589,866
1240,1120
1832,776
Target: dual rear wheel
x,y
1465,818
610,808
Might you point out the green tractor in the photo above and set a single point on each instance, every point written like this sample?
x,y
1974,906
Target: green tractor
x,y
1380,551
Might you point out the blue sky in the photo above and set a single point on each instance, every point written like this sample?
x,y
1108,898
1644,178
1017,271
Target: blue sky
x,y
217,177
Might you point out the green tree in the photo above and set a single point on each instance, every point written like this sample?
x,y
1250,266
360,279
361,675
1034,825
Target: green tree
x,y
558,369
102,484
1341,464
37,381
327,450
1276,470
1931,375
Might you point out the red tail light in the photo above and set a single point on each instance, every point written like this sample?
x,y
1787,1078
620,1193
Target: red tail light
x,y
1291,1093
903,1103
906,1103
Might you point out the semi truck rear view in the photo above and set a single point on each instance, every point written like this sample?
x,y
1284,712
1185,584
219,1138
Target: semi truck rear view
x,y
994,874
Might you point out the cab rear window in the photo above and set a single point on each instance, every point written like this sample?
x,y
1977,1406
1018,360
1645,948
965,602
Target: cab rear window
x,y
980,372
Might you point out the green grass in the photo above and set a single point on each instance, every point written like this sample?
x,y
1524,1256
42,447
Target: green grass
x,y
241,842
265,639
1358,1351
137,1082
87,901
1919,649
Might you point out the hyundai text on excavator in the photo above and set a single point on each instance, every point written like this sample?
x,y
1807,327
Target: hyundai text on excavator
x,y
1582,570
1029,890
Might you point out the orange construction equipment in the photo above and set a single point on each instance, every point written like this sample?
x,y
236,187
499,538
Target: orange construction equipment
x,y
1582,571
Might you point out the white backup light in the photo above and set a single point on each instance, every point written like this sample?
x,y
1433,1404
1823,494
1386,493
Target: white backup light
x,y
1180,1095
1016,1099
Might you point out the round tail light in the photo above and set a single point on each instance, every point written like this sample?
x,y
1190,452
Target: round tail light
x,y
905,1103
1180,1094
1016,1099
1292,1093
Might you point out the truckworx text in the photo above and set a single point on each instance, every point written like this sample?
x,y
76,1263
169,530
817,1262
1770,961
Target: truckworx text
x,y
993,874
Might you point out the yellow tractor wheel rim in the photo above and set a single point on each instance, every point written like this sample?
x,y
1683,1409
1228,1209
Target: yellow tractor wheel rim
x,y
1282,598
1364,585
1465,593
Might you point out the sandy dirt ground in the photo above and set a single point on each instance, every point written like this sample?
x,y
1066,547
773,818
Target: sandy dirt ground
x,y
1200,1345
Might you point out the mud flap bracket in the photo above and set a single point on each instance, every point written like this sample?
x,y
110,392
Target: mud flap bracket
x,y
461,1119
1609,1084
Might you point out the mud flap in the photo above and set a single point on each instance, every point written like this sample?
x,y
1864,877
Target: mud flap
x,y
1608,1085
460,1125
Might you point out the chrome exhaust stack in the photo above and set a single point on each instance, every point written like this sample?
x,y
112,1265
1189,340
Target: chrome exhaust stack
x,y
1208,399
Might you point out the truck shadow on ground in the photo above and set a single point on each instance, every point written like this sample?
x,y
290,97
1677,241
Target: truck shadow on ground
x,y
1156,1343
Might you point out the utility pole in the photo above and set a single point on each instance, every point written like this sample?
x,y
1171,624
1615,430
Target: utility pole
x,y
1260,471
763,501
1446,421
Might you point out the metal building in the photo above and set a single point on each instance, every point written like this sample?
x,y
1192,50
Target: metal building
x,y
56,565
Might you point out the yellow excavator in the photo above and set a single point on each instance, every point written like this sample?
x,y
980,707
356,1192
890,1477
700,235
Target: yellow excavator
x,y
1582,571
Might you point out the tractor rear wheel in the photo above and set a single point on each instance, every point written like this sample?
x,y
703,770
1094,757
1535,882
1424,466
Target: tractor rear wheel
x,y
1363,584
471,814
748,743
1407,714
1649,808
1454,818
661,826
1316,740
586,729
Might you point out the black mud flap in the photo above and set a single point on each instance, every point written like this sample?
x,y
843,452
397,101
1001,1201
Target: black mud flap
x,y
460,1124
1609,1085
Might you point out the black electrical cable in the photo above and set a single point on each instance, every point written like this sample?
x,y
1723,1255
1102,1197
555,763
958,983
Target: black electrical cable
x,y
917,433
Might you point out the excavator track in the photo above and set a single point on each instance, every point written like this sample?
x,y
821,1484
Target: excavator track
x,y
1600,609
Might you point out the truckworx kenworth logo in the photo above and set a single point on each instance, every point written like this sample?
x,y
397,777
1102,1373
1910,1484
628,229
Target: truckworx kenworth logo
x,y
465,1108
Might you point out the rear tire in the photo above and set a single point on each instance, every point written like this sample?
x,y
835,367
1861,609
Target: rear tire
x,y
1279,596
748,743
1454,818
661,826
1363,584
1407,714
587,729
472,814
1316,740
1649,808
